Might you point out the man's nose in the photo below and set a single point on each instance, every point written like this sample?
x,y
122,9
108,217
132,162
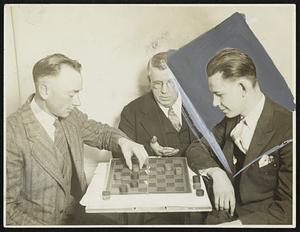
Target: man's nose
x,y
216,101
163,88
76,100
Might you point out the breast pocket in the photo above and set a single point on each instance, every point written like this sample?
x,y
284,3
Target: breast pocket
x,y
269,172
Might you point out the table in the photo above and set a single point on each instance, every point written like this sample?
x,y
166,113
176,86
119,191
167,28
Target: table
x,y
137,203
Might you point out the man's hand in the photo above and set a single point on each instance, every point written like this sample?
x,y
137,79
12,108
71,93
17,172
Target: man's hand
x,y
162,151
223,190
130,148
232,223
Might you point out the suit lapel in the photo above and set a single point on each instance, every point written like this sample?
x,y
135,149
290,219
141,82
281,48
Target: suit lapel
x,y
228,146
262,134
75,147
43,149
151,121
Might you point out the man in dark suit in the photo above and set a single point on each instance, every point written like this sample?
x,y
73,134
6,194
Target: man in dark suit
x,y
155,120
45,178
157,116
253,124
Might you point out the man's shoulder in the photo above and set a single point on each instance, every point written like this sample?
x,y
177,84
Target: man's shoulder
x,y
141,102
280,114
281,119
17,116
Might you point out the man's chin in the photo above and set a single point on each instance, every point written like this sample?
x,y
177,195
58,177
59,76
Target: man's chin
x,y
165,103
230,115
64,115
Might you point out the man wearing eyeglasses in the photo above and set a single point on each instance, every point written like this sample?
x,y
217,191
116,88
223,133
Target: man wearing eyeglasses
x,y
155,120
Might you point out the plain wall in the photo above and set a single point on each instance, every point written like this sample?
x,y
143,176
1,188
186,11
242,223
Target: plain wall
x,y
114,43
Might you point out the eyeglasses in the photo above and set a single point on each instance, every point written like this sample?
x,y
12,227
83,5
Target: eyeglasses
x,y
160,84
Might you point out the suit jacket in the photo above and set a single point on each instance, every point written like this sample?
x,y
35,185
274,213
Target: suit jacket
x,y
35,187
266,192
142,118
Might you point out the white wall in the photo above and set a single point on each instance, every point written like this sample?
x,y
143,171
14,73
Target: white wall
x,y
12,98
115,42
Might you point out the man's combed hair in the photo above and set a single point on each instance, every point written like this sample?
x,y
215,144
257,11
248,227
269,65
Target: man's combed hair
x,y
233,63
51,65
158,61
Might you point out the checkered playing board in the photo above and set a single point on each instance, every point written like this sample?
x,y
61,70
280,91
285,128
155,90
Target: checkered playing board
x,y
162,175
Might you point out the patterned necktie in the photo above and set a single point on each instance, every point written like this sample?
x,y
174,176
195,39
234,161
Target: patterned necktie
x,y
174,119
61,143
237,134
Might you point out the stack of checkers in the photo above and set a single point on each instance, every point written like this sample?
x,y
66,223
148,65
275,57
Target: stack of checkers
x,y
105,195
197,186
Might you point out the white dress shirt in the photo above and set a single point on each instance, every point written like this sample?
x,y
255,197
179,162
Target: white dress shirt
x,y
243,132
45,119
176,107
244,138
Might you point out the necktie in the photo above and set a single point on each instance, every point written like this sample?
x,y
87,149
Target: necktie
x,y
61,143
237,135
174,119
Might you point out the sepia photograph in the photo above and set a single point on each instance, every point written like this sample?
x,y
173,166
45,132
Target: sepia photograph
x,y
149,115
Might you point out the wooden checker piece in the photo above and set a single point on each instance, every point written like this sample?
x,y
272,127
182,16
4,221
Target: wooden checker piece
x,y
196,185
105,195
170,184
168,160
135,168
168,167
160,171
196,179
123,189
161,180
134,176
134,184
178,171
199,192
117,176
178,180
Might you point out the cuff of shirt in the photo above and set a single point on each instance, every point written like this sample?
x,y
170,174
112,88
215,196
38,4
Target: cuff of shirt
x,y
204,172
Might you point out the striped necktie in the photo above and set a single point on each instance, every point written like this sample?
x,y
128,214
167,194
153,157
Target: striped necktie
x,y
61,143
174,119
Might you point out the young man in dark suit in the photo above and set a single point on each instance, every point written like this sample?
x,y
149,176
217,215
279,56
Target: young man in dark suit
x,y
45,178
253,124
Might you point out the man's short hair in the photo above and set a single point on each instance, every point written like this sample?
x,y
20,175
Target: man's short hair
x,y
51,65
158,61
233,63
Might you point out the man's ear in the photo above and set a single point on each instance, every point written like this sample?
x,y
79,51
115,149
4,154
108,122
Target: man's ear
x,y
245,86
43,89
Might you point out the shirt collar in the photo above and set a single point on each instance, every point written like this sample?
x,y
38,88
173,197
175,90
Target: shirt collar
x,y
176,106
252,118
41,115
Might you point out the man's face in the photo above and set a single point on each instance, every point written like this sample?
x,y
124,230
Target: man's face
x,y
63,91
163,86
227,95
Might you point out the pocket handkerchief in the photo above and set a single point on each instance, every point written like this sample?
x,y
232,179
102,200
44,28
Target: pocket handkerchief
x,y
265,160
